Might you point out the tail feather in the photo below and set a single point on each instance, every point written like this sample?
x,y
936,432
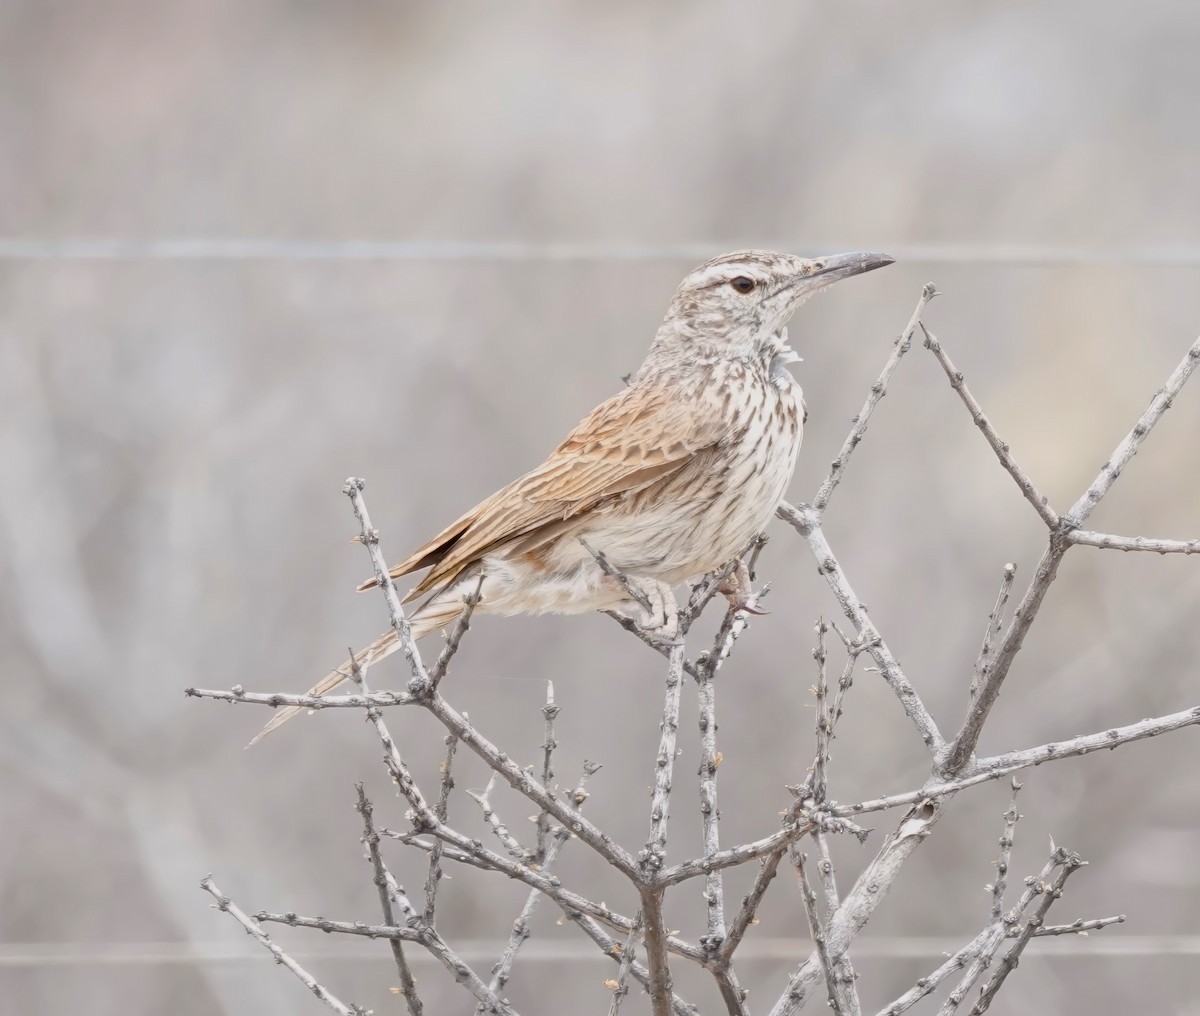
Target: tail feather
x,y
432,616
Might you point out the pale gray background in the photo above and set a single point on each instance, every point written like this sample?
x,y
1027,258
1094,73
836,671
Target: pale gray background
x,y
175,434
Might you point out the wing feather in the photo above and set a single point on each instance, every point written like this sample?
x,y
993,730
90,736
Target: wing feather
x,y
638,437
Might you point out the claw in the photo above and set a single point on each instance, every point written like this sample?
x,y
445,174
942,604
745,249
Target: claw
x,y
739,591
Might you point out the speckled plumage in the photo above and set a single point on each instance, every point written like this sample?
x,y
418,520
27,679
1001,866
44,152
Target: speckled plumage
x,y
669,478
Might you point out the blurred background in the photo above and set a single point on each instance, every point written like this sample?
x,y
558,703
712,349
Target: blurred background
x,y
250,249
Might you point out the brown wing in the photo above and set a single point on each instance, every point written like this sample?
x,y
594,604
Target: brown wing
x,y
636,438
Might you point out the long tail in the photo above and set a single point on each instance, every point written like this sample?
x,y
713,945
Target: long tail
x,y
431,617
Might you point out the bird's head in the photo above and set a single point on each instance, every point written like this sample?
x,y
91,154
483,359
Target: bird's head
x,y
738,305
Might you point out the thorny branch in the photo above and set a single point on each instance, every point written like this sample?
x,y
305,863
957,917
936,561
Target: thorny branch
x,y
389,893
954,767
224,903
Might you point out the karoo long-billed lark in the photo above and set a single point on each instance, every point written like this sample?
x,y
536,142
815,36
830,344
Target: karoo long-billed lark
x,y
669,478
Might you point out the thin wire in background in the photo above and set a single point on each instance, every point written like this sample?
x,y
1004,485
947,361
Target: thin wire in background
x,y
258,249
48,954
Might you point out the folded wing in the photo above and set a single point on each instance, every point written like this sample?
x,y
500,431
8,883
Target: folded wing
x,y
635,439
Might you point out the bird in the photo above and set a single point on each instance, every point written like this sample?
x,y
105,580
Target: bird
x,y
667,480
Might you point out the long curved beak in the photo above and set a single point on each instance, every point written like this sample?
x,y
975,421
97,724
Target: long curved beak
x,y
842,266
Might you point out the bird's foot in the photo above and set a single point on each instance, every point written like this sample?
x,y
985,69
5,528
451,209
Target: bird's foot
x,y
661,619
739,591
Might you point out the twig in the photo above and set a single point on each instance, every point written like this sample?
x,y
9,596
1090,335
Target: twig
x,y
822,724
994,934
735,622
225,904
988,941
463,850
768,867
997,766
441,810
651,858
843,967
836,1002
628,954
370,539
806,521
859,904
707,588
994,623
931,982
520,933
1107,541
845,682
613,572
1039,501
959,752
796,826
425,936
612,949
461,627
957,755
878,390
274,700
1070,864
657,644
1129,445
515,850
384,883
1079,927
710,759
549,711
1011,817
523,783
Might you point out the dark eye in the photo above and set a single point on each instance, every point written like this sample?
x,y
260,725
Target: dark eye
x,y
743,284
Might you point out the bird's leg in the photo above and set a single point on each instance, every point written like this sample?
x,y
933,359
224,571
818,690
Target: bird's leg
x,y
737,589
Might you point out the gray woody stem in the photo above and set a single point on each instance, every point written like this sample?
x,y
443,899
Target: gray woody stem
x,y
714,889
860,903
1107,541
370,539
427,695
549,712
806,521
1011,817
426,817
652,857
520,933
836,1000
507,840
1040,503
433,875
1070,864
628,954
1128,447
433,943
523,783
385,884
276,699
878,390
993,936
461,627
994,623
996,766
228,906
931,982
959,753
